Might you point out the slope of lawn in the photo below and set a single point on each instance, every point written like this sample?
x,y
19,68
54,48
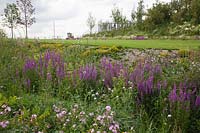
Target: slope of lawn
x,y
157,44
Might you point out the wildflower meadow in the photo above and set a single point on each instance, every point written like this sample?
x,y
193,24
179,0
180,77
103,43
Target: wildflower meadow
x,y
75,88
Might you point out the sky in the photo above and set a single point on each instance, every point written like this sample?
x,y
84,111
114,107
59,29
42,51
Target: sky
x,y
70,15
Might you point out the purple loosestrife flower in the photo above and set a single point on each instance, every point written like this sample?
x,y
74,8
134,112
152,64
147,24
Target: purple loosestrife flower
x,y
197,102
60,72
126,77
164,84
49,67
30,64
149,85
157,69
159,85
41,66
49,76
183,96
109,70
54,61
47,57
147,67
28,83
88,73
173,95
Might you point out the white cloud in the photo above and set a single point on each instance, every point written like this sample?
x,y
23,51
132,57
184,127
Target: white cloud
x,y
71,15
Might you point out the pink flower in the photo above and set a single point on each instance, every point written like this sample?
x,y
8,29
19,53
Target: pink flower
x,y
82,113
111,127
34,116
108,108
99,117
59,115
114,128
63,112
4,124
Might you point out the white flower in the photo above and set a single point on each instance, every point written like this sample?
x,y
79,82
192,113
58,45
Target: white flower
x,y
74,126
7,109
94,124
76,106
91,114
132,128
92,130
169,116
4,106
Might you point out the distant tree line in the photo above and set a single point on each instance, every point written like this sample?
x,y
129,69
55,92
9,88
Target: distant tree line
x,y
175,17
19,13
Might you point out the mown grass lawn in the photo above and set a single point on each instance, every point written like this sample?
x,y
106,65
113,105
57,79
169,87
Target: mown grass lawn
x,y
157,44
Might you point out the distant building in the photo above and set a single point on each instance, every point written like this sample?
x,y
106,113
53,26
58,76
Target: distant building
x,y
107,26
69,36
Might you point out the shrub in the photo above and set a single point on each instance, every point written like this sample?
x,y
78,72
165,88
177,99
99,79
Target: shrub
x,y
183,53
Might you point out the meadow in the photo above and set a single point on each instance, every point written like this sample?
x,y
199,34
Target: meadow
x,y
65,86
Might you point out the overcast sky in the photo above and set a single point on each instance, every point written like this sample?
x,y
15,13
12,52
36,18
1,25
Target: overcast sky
x,y
70,15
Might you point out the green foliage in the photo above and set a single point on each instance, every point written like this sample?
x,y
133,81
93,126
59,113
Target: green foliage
x,y
158,16
2,34
161,19
139,14
185,29
183,53
117,16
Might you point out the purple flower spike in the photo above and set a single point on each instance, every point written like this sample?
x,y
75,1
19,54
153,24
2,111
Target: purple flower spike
x,y
197,102
173,95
